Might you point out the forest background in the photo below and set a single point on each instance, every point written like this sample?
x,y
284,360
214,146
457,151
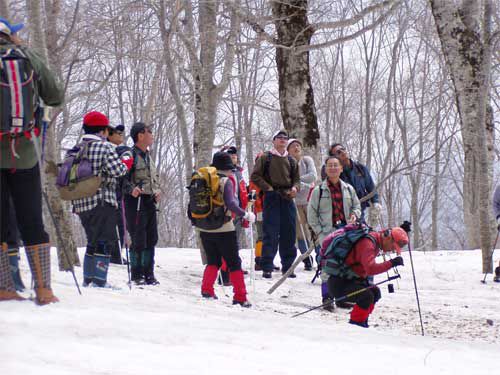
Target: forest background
x,y
411,87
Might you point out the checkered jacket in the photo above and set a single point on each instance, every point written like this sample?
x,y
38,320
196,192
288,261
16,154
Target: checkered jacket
x,y
107,164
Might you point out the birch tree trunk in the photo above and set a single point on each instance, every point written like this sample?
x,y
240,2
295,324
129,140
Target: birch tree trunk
x,y
296,95
66,247
4,9
467,53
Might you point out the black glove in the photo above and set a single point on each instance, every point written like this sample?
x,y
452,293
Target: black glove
x,y
406,226
398,261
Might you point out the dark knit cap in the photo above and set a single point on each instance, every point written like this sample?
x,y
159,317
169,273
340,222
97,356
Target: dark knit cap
x,y
222,161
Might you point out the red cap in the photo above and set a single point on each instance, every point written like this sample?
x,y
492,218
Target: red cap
x,y
95,119
400,238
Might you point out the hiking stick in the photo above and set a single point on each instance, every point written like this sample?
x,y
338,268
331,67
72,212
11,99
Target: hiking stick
x,y
125,240
352,294
119,243
494,246
415,285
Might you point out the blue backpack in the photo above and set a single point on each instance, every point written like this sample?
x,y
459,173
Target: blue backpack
x,y
337,246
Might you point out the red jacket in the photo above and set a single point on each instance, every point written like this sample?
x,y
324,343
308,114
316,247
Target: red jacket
x,y
361,259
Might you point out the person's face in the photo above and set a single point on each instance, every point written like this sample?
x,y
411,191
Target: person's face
x,y
333,168
116,138
146,137
280,141
234,158
340,152
295,150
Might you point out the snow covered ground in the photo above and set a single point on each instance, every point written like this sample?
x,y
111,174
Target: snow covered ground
x,y
170,329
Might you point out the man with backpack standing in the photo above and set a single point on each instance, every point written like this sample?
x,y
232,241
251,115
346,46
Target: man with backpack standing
x,y
358,176
277,175
349,266
141,191
97,211
24,79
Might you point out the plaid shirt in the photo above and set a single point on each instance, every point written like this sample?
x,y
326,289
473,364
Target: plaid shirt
x,y
107,164
337,203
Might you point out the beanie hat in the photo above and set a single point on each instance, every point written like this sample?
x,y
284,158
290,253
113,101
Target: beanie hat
x,y
96,119
291,140
222,161
7,28
232,150
280,132
118,128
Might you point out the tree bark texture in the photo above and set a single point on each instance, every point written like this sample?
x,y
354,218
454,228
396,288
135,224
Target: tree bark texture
x,y
468,58
295,89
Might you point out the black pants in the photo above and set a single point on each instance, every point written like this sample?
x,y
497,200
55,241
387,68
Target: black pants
x,y
339,287
221,245
100,228
142,224
24,186
115,249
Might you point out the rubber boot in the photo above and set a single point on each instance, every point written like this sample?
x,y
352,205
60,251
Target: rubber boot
x,y
326,300
136,272
14,268
7,286
207,284
239,289
39,261
88,269
359,316
148,265
101,269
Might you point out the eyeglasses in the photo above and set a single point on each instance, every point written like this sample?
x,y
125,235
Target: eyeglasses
x,y
282,137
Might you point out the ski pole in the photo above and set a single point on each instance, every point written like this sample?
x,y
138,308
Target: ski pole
x,y
119,243
494,246
125,240
252,250
352,294
416,290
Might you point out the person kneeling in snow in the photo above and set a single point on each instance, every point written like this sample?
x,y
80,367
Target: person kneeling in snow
x,y
222,242
361,260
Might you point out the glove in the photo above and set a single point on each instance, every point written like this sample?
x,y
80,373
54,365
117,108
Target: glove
x,y
406,226
398,261
249,216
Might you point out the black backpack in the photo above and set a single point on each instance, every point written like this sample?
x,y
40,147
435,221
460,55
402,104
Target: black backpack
x,y
19,101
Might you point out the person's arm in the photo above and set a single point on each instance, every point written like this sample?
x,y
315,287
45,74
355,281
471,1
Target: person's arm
x,y
113,165
370,185
366,252
257,176
356,205
230,201
313,212
48,87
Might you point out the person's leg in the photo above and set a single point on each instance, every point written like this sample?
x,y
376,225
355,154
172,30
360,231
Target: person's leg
x,y
270,228
26,192
213,263
88,259
287,233
115,251
135,226
106,236
148,261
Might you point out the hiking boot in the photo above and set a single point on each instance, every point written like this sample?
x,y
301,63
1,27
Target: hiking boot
x,y
209,296
328,305
257,267
44,296
7,286
363,324
345,305
10,295
291,276
151,280
267,275
276,268
242,304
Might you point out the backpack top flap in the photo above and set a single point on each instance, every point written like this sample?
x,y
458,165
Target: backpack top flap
x,y
18,92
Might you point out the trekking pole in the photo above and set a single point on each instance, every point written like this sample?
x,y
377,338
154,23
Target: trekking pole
x,y
44,193
252,197
125,240
494,246
59,236
352,294
119,243
416,290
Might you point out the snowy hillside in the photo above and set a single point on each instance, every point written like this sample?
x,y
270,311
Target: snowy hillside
x,y
170,329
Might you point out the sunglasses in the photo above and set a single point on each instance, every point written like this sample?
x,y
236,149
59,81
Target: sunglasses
x,y
282,137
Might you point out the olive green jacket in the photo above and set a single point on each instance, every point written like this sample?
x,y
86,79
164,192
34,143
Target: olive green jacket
x,y
21,154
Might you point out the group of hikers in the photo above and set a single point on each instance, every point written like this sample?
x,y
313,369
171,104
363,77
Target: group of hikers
x,y
114,189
